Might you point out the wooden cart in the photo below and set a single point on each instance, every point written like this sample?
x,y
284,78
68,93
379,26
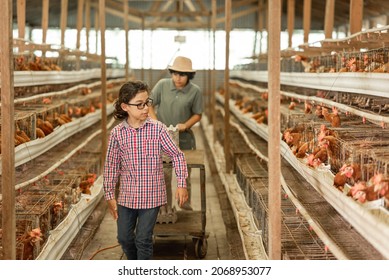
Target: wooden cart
x,y
190,223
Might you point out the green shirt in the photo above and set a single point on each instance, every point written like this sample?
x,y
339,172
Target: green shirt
x,y
177,106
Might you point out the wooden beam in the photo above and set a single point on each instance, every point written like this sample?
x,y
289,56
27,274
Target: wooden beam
x,y
213,79
192,8
7,133
329,19
237,3
64,18
176,14
120,14
45,19
274,131
118,7
175,25
291,12
87,22
21,14
307,19
80,14
97,16
356,16
126,66
104,131
227,25
239,14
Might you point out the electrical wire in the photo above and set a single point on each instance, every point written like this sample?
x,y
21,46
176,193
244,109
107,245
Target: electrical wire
x,y
103,249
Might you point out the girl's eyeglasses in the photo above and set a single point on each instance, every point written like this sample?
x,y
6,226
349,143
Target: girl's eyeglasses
x,y
141,106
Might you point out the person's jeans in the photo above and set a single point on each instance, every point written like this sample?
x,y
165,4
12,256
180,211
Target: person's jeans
x,y
135,232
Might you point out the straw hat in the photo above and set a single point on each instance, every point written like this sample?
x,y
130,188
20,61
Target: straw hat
x,y
182,64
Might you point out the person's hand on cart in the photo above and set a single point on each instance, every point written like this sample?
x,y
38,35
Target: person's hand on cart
x,y
181,196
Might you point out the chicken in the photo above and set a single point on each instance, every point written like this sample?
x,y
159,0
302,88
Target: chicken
x,y
45,126
305,62
56,211
29,240
318,112
333,117
292,105
39,133
357,188
22,134
340,180
356,173
321,155
293,139
312,161
265,95
303,149
307,108
85,187
324,131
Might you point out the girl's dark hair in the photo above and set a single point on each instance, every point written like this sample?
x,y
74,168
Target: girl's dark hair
x,y
126,93
189,74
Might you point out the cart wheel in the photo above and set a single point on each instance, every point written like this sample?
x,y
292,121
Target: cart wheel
x,y
201,247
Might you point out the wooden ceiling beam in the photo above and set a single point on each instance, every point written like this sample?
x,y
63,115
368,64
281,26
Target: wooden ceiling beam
x,y
238,14
119,14
175,25
235,4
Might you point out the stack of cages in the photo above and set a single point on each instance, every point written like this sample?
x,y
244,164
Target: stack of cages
x,y
367,61
238,147
33,212
248,167
84,167
367,147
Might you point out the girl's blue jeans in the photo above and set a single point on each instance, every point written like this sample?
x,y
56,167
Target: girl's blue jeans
x,y
135,232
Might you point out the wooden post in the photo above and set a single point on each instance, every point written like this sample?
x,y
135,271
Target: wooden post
x,y
226,88
21,14
87,23
356,16
97,29
45,19
80,13
125,19
64,18
274,131
142,76
307,19
261,17
213,78
7,132
104,134
291,11
329,19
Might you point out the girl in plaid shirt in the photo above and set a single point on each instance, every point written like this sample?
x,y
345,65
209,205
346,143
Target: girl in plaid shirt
x,y
134,162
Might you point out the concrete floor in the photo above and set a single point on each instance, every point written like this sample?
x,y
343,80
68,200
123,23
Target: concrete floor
x,y
223,242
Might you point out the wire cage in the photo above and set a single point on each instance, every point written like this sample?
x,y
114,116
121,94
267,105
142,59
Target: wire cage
x,y
238,146
59,186
249,166
367,61
258,200
298,241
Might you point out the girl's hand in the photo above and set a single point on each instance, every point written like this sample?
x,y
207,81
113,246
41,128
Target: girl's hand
x,y
181,196
113,208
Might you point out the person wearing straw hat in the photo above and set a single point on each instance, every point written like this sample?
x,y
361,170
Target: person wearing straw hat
x,y
178,102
